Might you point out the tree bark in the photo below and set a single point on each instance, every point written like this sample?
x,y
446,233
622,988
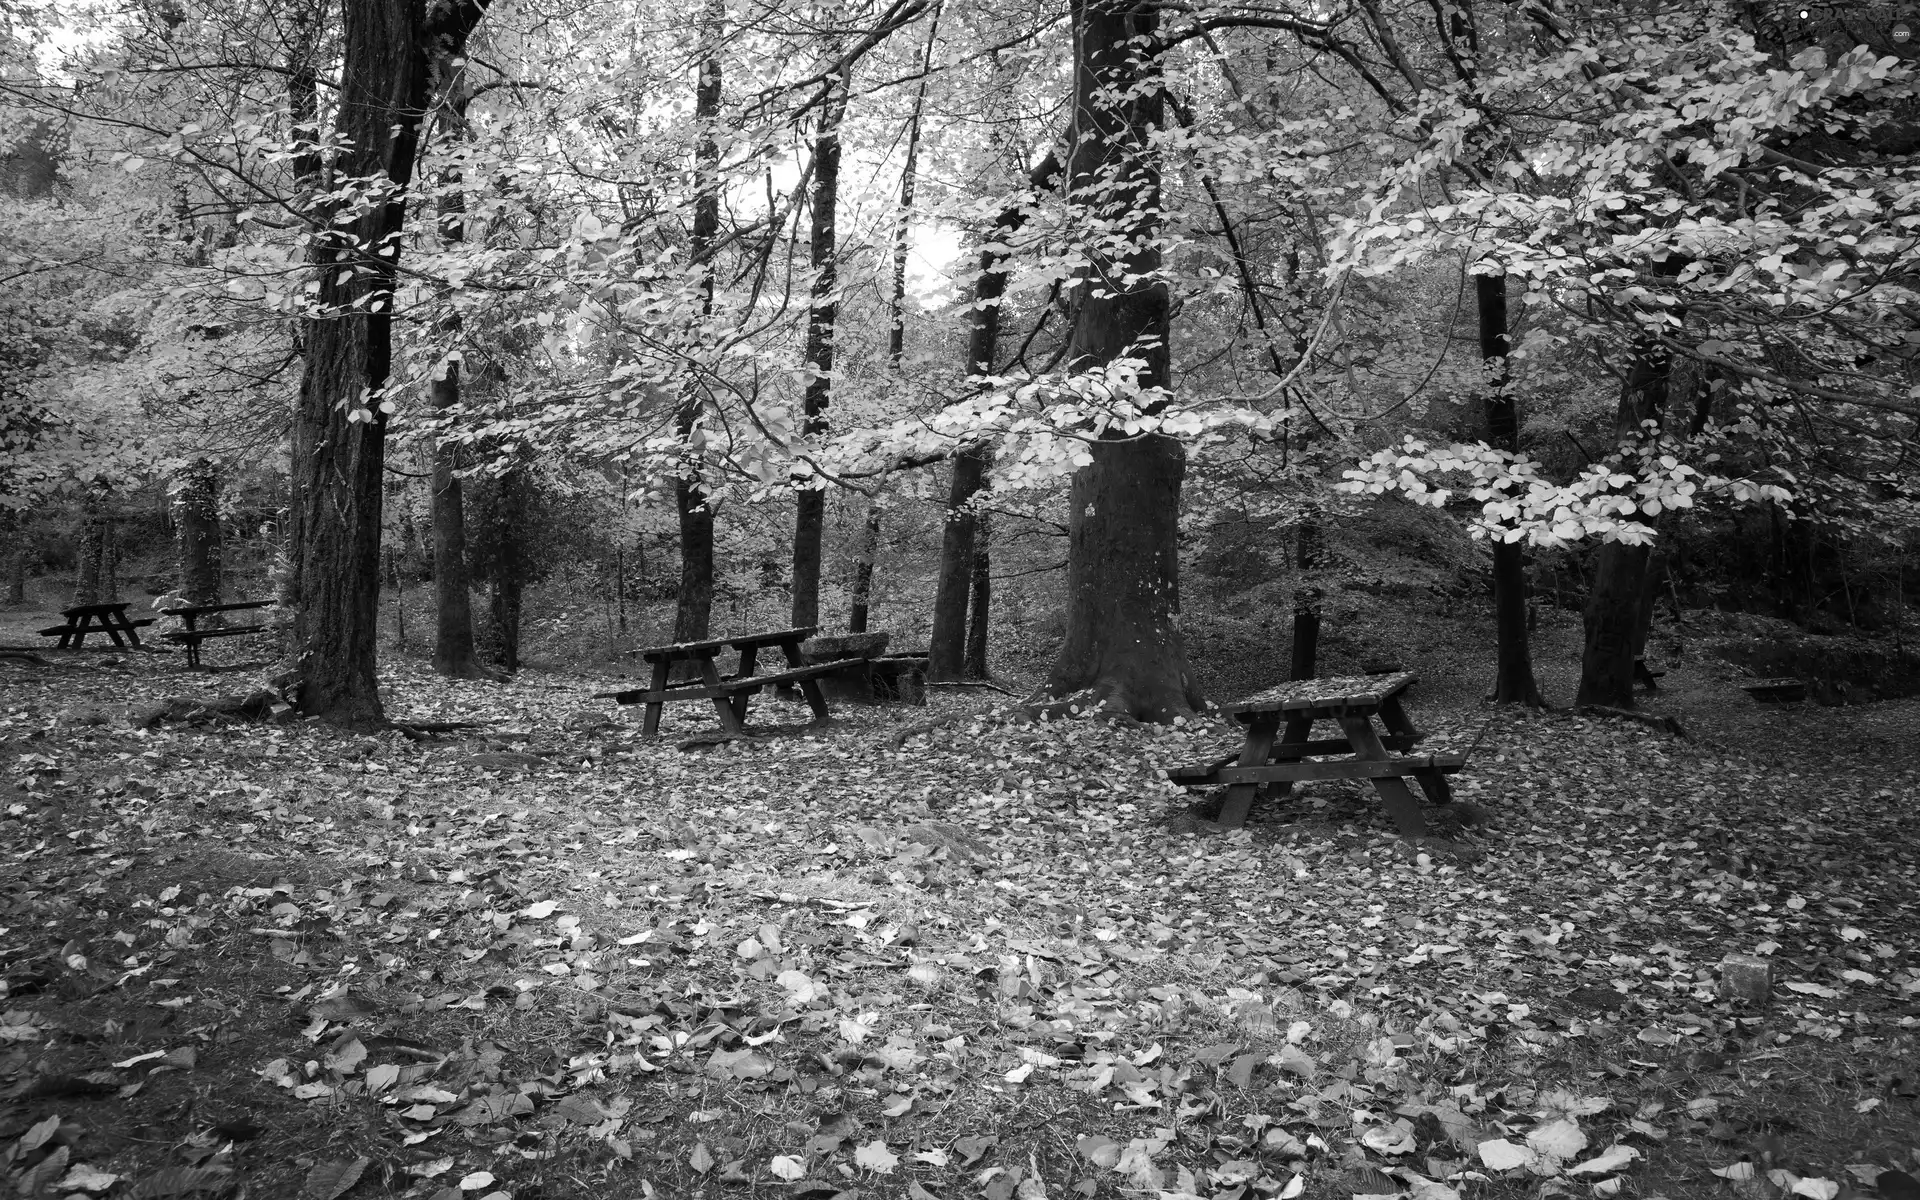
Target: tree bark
x,y
1124,650
947,647
1306,600
810,503
863,571
1513,681
340,418
508,574
693,605
196,514
1621,579
453,647
92,553
13,558
980,605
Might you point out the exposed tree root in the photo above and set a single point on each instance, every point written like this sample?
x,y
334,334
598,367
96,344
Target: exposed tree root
x,y
1652,721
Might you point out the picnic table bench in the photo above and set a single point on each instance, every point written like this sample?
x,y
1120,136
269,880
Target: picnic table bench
x,y
1270,756
191,636
110,619
730,693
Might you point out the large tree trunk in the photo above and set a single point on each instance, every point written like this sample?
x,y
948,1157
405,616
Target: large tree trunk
x,y
196,515
1123,650
1621,581
94,531
693,606
1513,681
340,419
810,504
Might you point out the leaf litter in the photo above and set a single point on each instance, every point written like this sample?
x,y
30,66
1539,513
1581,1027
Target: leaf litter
x,y
983,960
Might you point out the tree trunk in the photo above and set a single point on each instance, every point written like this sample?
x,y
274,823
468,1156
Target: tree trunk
x,y
693,606
947,649
1124,650
93,546
980,606
1513,681
196,513
810,504
509,566
863,571
453,648
340,418
1621,581
110,562
13,559
1306,600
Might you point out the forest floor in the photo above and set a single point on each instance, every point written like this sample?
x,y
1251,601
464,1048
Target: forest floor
x,y
995,958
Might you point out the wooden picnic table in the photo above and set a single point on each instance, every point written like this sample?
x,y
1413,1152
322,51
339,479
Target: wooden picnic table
x,y
110,619
1271,756
192,635
730,693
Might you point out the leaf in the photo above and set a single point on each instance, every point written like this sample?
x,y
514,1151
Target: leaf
x,y
36,1180
701,1160
1816,1189
85,1178
1100,1151
787,1167
539,911
1607,1161
1562,1139
331,1180
801,987
1501,1155
875,1157
1813,989
1737,1172
476,1180
972,1147
1388,1139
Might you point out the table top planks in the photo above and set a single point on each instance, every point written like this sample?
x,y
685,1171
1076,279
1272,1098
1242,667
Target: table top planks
x,y
1343,693
678,651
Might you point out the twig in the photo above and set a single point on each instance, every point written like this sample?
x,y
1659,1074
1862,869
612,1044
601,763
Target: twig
x,y
971,683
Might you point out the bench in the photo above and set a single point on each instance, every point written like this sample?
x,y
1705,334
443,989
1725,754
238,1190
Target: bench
x,y
1278,744
191,638
1645,676
1776,691
880,678
74,633
729,694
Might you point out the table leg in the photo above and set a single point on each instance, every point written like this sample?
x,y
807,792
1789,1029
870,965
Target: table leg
x,y
1260,736
816,700
109,627
650,723
1395,796
732,719
133,633
1394,716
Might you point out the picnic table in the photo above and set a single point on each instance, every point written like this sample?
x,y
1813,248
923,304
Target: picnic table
x,y
1273,756
730,694
110,619
192,635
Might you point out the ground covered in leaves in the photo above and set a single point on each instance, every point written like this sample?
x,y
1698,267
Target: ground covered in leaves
x,y
545,958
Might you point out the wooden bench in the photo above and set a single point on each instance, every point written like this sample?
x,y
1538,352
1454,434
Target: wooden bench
x,y
1645,676
192,635
83,619
191,638
730,694
1776,691
1382,757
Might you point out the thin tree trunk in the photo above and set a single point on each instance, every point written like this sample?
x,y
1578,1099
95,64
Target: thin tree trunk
x,y
1513,672
453,648
196,512
509,564
1307,550
340,419
1124,651
810,504
947,646
110,561
693,606
13,559
863,571
980,606
861,598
